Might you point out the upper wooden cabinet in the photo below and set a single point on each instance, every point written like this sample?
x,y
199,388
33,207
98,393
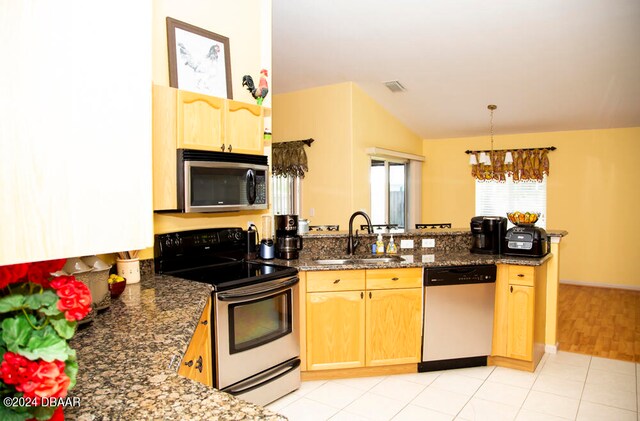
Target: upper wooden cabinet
x,y
200,121
208,123
244,128
197,360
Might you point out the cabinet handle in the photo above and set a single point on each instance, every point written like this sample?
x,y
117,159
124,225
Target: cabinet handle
x,y
520,275
222,147
205,322
512,288
229,148
199,364
361,295
336,281
189,363
369,294
394,279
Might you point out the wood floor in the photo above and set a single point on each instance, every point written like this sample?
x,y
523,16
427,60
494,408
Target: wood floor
x,y
604,322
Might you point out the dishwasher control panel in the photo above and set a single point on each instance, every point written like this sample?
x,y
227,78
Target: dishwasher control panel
x,y
456,275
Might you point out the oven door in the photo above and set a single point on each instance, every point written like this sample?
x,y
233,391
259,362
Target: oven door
x,y
256,329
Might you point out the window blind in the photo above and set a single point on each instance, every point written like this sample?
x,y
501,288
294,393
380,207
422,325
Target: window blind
x,y
496,198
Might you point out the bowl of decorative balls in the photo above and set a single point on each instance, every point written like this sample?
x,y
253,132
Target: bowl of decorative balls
x,y
116,285
523,218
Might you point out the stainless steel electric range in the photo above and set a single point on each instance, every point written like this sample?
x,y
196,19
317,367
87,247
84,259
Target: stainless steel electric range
x,y
254,307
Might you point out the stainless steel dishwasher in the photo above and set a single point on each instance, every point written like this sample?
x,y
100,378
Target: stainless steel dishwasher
x,y
458,316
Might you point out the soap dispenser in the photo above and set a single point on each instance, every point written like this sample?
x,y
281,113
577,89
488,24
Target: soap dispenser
x,y
379,245
391,247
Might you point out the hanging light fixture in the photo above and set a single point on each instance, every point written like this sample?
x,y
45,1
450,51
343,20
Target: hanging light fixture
x,y
491,108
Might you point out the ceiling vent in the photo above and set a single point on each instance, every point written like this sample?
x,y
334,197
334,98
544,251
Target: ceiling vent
x,y
395,86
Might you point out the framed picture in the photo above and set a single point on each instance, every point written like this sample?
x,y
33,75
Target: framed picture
x,y
199,60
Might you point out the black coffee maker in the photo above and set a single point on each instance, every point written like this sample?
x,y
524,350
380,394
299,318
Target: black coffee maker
x,y
488,234
288,242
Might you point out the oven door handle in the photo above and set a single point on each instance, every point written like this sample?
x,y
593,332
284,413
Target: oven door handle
x,y
247,293
263,379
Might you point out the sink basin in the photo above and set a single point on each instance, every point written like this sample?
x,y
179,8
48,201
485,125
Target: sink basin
x,y
359,261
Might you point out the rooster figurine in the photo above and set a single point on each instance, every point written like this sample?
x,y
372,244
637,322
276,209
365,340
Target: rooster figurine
x,y
263,88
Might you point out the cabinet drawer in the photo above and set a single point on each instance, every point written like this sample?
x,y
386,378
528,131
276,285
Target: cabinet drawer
x,y
521,275
335,280
394,278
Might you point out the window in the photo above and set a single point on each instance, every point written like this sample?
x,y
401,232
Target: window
x,y
388,192
495,198
285,194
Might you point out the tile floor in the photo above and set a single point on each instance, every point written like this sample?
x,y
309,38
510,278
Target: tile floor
x,y
565,386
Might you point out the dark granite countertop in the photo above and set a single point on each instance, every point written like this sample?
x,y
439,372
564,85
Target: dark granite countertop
x,y
411,232
128,358
456,258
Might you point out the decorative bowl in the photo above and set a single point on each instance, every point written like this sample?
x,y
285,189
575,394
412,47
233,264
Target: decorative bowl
x,y
523,218
117,288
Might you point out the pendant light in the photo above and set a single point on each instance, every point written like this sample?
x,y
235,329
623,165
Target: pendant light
x,y
491,108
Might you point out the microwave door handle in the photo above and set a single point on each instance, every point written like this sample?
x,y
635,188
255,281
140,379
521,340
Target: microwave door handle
x,y
251,186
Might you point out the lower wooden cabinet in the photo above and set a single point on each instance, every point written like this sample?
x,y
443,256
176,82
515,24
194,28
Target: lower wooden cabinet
x,y
196,363
335,330
358,318
394,326
520,316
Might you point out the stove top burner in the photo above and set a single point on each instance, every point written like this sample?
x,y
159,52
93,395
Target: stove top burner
x,y
235,274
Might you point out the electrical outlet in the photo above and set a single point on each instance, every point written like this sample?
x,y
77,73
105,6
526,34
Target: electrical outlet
x,y
428,242
408,258
428,258
312,212
406,244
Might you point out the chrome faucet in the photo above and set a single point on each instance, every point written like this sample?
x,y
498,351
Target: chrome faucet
x,y
351,242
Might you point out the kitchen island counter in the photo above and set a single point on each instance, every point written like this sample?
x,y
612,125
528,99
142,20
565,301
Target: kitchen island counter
x,y
129,355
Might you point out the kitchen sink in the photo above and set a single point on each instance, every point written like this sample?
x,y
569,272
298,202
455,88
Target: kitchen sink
x,y
359,261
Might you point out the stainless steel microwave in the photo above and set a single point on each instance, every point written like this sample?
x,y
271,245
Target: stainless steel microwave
x,y
221,182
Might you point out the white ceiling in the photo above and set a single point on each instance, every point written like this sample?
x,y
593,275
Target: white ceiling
x,y
549,65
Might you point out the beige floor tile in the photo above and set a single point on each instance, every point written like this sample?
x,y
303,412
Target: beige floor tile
x,y
547,403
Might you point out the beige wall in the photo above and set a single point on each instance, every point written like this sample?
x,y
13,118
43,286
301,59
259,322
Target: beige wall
x,y
247,25
592,192
344,121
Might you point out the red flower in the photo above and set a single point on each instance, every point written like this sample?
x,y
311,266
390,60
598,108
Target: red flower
x,y
40,272
75,297
39,379
11,274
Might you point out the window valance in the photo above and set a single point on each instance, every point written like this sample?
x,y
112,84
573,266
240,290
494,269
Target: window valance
x,y
289,158
521,164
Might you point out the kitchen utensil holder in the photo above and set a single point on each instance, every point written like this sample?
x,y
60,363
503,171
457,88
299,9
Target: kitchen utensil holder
x,y
129,269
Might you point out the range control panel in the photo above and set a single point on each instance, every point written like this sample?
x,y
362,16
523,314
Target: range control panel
x,y
456,275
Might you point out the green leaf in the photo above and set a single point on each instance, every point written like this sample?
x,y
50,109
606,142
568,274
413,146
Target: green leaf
x,y
11,302
71,370
44,299
65,328
43,412
12,414
16,332
46,344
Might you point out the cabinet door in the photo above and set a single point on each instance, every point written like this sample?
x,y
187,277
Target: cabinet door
x,y
520,322
165,195
335,330
200,121
244,131
197,363
394,326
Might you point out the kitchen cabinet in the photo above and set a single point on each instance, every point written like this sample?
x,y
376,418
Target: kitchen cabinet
x,y
189,120
363,318
197,361
335,319
520,316
75,149
200,121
